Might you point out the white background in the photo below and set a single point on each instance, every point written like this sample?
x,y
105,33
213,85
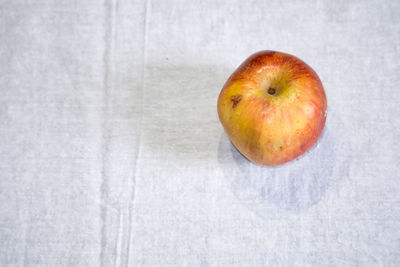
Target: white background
x,y
112,153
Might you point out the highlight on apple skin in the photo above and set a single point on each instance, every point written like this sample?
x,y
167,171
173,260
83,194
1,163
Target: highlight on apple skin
x,y
273,108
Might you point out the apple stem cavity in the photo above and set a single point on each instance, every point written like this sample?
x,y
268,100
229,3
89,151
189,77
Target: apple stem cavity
x,y
271,91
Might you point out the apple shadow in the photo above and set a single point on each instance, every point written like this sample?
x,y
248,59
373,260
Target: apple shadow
x,y
180,124
181,131
292,187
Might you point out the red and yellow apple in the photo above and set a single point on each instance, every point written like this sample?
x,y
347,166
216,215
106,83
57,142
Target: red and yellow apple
x,y
273,108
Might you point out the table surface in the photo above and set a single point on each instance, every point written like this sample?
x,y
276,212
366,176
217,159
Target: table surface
x,y
112,153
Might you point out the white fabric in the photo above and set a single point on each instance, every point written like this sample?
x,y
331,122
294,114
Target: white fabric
x,y
112,153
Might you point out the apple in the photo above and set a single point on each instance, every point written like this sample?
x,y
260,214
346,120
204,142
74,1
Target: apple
x,y
273,108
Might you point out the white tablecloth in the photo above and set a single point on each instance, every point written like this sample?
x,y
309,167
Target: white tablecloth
x,y
112,153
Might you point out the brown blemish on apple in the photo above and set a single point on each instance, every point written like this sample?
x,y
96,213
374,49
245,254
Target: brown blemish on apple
x,y
235,100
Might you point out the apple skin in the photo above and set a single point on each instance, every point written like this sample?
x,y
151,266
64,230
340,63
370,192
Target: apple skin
x,y
273,108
